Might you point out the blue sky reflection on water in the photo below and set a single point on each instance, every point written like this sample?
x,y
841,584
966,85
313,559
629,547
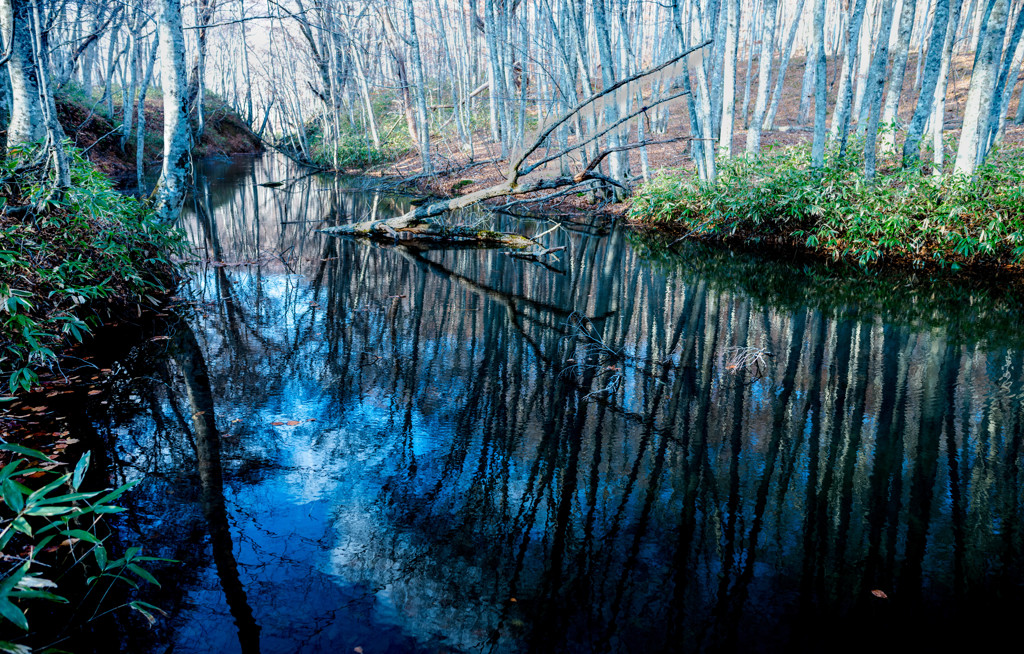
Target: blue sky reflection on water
x,y
468,472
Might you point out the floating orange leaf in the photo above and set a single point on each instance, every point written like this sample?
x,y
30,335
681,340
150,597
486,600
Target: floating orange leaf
x,y
880,594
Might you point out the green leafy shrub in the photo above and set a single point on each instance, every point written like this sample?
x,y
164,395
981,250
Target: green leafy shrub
x,y
901,215
55,511
68,260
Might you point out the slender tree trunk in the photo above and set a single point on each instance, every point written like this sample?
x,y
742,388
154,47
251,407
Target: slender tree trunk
x,y
170,189
864,58
841,113
925,100
875,90
807,84
977,111
1004,88
27,126
732,8
752,51
364,92
820,86
787,53
618,163
899,69
763,77
496,93
938,118
54,132
140,141
422,118
128,93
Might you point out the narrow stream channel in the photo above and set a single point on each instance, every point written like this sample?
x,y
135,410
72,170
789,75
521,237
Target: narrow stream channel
x,y
396,449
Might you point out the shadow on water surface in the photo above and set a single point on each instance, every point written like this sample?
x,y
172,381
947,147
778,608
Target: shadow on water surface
x,y
381,447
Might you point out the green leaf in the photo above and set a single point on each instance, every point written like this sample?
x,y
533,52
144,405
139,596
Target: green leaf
x,y
45,490
81,534
100,553
12,648
117,492
144,608
108,509
40,594
49,510
142,572
25,451
8,584
80,470
21,524
12,613
13,497
67,499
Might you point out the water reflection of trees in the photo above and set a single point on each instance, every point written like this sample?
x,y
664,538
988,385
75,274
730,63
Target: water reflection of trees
x,y
468,462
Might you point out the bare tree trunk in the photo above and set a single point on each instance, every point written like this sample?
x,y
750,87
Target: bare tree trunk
x,y
764,73
925,100
820,86
758,13
863,66
807,85
1004,89
938,119
787,53
875,89
27,127
364,92
977,112
140,140
398,56
54,132
423,127
170,189
841,113
899,69
729,90
618,163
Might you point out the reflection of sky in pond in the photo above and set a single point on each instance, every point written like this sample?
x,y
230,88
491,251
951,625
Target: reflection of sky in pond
x,y
468,473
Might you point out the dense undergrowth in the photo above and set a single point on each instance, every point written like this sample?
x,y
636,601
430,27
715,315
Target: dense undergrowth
x,y
903,215
52,527
70,261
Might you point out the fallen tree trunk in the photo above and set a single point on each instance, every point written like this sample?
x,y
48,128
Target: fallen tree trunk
x,y
419,223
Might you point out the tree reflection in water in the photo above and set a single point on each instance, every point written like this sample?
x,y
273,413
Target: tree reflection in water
x,y
455,481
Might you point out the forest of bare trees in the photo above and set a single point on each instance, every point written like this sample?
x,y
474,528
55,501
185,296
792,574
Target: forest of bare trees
x,y
480,79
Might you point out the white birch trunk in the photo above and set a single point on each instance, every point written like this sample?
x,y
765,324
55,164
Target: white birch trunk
x,y
977,110
729,75
170,189
763,78
901,53
27,126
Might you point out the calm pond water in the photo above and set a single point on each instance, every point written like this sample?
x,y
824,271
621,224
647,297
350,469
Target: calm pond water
x,y
355,447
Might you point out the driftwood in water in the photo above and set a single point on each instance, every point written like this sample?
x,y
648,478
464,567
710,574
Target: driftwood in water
x,y
420,221
538,255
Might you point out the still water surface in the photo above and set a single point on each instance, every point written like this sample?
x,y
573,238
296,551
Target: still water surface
x,y
350,445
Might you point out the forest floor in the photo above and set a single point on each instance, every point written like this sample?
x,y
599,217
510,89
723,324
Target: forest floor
x,y
458,172
86,124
